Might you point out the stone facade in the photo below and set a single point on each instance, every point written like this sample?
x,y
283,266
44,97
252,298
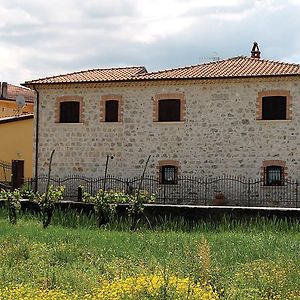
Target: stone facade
x,y
220,131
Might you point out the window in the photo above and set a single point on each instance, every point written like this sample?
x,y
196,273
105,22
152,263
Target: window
x,y
111,110
274,108
274,172
69,109
274,175
169,107
168,174
274,105
169,110
69,112
168,171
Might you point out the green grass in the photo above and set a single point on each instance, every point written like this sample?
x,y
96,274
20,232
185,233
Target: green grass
x,y
242,260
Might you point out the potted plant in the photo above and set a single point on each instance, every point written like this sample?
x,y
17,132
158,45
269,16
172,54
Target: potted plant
x,y
219,199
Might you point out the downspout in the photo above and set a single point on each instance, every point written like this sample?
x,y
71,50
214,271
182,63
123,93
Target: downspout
x,y
36,137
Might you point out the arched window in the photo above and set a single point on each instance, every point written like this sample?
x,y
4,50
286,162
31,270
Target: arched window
x,y
274,175
69,109
274,172
111,111
111,108
168,172
169,107
274,105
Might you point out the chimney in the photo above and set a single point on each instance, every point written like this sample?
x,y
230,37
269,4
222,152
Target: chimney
x,y
4,90
255,53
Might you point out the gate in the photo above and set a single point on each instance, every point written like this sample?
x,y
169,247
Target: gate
x,y
5,175
11,174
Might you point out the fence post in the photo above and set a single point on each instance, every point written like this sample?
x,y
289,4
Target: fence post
x,y
297,192
79,194
205,192
248,200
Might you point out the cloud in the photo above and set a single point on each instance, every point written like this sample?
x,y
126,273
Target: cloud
x,y
43,38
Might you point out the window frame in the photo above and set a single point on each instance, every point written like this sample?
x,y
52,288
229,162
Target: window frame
x,y
274,93
109,118
166,105
268,176
169,96
266,169
163,166
63,115
62,99
111,97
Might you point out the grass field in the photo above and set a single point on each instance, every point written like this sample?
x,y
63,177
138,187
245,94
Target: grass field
x,y
230,260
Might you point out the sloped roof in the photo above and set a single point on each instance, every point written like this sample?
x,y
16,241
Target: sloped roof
x,y
95,75
240,66
13,91
16,118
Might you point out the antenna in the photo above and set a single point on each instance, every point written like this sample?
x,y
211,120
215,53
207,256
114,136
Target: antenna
x,y
213,58
20,101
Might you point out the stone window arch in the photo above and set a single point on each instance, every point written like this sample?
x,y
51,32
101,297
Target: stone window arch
x,y
273,172
69,109
111,108
274,105
168,171
169,107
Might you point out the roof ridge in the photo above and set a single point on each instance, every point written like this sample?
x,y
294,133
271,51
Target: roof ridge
x,y
195,65
88,70
275,61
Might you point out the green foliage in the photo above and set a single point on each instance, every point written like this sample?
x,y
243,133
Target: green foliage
x,y
47,201
106,202
259,260
27,192
12,200
136,205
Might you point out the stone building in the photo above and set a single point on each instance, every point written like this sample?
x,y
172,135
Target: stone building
x,y
237,116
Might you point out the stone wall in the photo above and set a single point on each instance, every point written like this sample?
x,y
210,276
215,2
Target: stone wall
x,y
220,133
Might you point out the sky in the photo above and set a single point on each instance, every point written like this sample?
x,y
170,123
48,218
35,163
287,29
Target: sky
x,y
45,38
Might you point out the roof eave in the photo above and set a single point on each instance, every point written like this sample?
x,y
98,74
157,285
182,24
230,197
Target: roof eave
x,y
31,85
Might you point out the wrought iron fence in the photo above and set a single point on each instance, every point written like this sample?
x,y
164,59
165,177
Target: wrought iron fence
x,y
5,171
188,190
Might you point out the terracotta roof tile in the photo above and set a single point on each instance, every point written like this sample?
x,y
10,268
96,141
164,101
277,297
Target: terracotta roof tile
x,y
95,75
240,66
13,91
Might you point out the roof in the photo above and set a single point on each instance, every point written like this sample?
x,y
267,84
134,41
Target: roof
x,y
13,91
16,118
240,66
236,67
95,75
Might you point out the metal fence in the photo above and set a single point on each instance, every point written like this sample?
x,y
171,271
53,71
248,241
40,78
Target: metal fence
x,y
187,190
5,171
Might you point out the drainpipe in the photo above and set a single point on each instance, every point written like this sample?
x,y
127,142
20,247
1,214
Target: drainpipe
x,y
36,137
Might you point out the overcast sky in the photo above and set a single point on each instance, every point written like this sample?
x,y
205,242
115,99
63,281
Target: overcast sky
x,y
44,38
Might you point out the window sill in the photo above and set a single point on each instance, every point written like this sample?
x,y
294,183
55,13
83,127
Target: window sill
x,y
273,121
169,123
111,123
68,124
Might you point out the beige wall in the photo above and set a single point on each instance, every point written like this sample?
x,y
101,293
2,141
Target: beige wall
x,y
220,133
9,108
16,143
